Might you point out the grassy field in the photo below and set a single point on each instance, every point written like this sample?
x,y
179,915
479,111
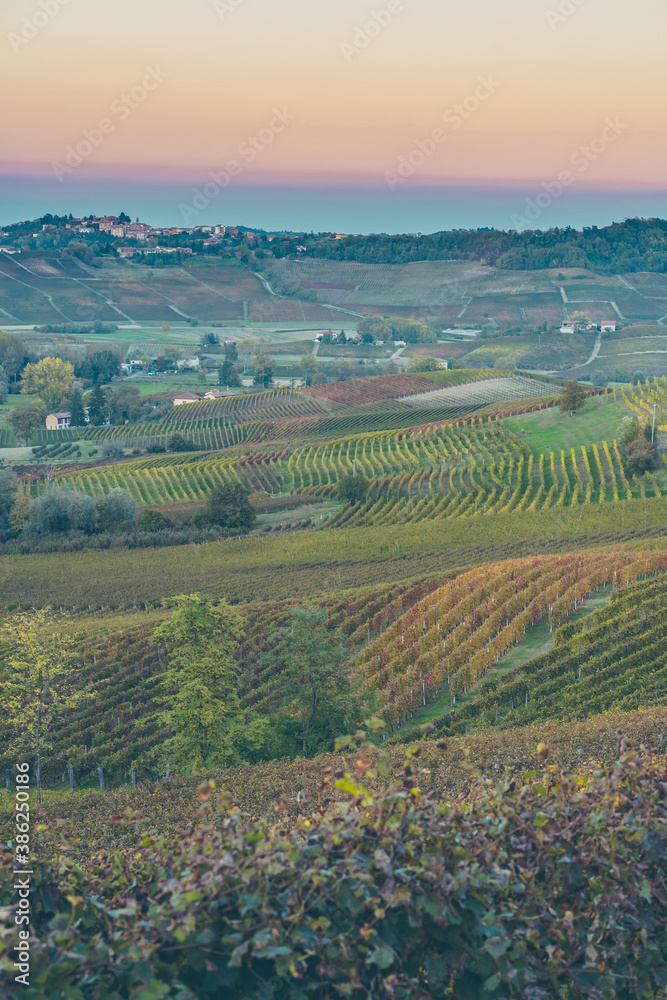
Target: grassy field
x,y
313,563
547,430
633,344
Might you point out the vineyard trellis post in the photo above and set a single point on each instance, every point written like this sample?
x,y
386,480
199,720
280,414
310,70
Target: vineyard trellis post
x,y
100,775
133,775
71,777
8,779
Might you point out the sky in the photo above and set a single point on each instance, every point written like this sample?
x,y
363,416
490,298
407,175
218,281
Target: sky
x,y
342,115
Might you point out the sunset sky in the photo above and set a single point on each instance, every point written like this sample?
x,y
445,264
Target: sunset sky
x,y
361,84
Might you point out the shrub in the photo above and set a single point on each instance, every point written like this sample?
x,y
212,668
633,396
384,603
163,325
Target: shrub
x,y
153,520
178,443
62,510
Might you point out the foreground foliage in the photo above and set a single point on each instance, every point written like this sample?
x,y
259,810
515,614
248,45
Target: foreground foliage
x,y
537,884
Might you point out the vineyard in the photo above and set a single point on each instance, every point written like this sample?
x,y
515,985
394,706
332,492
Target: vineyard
x,y
641,400
408,642
481,393
380,387
212,424
121,724
471,468
615,658
456,635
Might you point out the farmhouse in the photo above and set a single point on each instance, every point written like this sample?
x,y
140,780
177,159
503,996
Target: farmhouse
x,y
58,421
218,394
187,397
608,327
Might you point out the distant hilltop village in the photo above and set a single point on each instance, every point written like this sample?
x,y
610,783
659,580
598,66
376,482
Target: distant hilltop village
x,y
118,235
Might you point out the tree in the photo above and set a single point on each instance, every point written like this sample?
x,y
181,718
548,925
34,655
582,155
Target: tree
x,y
424,363
24,421
353,489
97,405
228,507
4,386
20,512
231,353
178,443
572,398
9,485
116,511
228,375
124,403
263,370
77,412
37,684
367,338
315,686
12,353
637,450
202,638
311,369
50,379
342,339
61,509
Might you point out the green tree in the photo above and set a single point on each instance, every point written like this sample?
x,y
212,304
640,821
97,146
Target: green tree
x,y
263,370
50,379
202,638
153,520
77,414
38,683
315,687
572,398
228,507
178,443
12,353
24,421
231,353
342,339
20,512
97,405
9,485
353,489
424,363
228,375
311,370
